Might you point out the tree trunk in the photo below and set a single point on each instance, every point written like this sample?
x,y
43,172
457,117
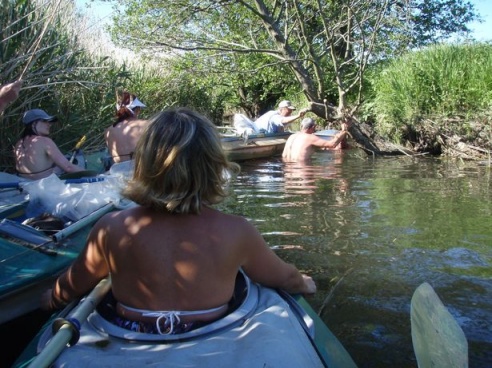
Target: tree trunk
x,y
360,134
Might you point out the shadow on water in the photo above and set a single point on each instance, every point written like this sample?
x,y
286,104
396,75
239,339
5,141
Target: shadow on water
x,y
370,232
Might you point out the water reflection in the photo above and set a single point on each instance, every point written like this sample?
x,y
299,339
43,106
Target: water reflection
x,y
369,232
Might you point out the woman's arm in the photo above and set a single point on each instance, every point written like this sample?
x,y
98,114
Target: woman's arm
x,y
84,273
262,265
59,158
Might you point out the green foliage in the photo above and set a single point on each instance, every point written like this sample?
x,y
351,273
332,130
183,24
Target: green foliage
x,y
324,46
439,80
41,44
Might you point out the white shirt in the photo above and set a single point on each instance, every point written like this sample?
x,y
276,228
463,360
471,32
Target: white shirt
x,y
269,121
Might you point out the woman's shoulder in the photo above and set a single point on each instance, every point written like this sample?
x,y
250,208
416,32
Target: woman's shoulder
x,y
40,138
226,219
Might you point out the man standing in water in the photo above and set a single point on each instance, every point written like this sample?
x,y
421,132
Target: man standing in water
x,y
300,145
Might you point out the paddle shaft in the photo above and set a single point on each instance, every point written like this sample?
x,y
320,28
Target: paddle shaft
x,y
62,234
64,335
77,147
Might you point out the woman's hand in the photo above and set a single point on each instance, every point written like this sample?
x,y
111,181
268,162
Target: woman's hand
x,y
309,285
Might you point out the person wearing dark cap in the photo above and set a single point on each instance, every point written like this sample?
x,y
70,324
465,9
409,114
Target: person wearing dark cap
x,y
275,121
36,155
122,136
300,145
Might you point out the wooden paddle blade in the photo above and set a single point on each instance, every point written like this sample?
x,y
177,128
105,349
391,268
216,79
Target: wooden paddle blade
x,y
80,142
438,340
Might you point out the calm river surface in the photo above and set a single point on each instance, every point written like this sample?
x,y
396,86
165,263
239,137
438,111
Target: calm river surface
x,y
370,231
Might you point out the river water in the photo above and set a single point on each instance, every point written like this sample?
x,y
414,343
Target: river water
x,y
370,231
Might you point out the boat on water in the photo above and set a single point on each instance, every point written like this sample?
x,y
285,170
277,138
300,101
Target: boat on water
x,y
245,141
43,227
254,146
31,259
262,145
265,328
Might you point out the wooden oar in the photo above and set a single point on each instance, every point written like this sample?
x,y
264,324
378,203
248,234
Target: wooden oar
x,y
438,340
68,329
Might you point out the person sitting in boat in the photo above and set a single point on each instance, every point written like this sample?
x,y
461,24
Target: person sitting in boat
x,y
300,146
122,136
173,258
36,155
274,121
9,93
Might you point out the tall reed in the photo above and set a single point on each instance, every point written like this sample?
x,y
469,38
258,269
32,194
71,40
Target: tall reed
x,y
41,44
442,80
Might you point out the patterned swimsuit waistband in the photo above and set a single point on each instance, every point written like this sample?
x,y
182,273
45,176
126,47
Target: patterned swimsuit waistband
x,y
169,318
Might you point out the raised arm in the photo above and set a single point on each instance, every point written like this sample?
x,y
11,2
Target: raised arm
x,y
332,143
289,119
9,93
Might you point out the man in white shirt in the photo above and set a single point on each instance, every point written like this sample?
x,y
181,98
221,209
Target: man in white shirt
x,y
274,121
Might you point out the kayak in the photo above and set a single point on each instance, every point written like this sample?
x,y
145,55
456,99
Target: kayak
x,y
43,227
264,328
31,258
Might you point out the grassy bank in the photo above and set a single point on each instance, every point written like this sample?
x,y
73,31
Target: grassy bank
x,y
443,89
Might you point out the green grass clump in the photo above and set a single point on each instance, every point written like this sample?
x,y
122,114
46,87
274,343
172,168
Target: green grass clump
x,y
443,80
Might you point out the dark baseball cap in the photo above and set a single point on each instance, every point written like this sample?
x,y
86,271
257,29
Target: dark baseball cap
x,y
33,115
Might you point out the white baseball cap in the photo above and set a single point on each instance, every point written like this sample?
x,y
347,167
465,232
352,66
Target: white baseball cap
x,y
136,103
287,104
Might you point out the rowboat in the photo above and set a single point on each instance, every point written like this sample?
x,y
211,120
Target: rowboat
x,y
266,328
254,146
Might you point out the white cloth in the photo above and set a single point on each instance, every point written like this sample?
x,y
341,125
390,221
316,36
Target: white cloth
x,y
244,125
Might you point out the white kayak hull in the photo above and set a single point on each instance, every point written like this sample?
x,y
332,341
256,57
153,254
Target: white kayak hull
x,y
267,330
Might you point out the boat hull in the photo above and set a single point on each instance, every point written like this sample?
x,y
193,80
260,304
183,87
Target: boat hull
x,y
254,146
31,261
270,328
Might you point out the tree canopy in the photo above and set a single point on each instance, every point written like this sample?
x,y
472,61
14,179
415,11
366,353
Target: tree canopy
x,y
325,46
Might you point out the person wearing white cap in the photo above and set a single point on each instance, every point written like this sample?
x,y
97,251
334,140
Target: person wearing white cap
x,y
36,155
274,121
300,146
122,136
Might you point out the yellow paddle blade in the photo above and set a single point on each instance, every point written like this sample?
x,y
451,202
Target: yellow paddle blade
x,y
80,142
